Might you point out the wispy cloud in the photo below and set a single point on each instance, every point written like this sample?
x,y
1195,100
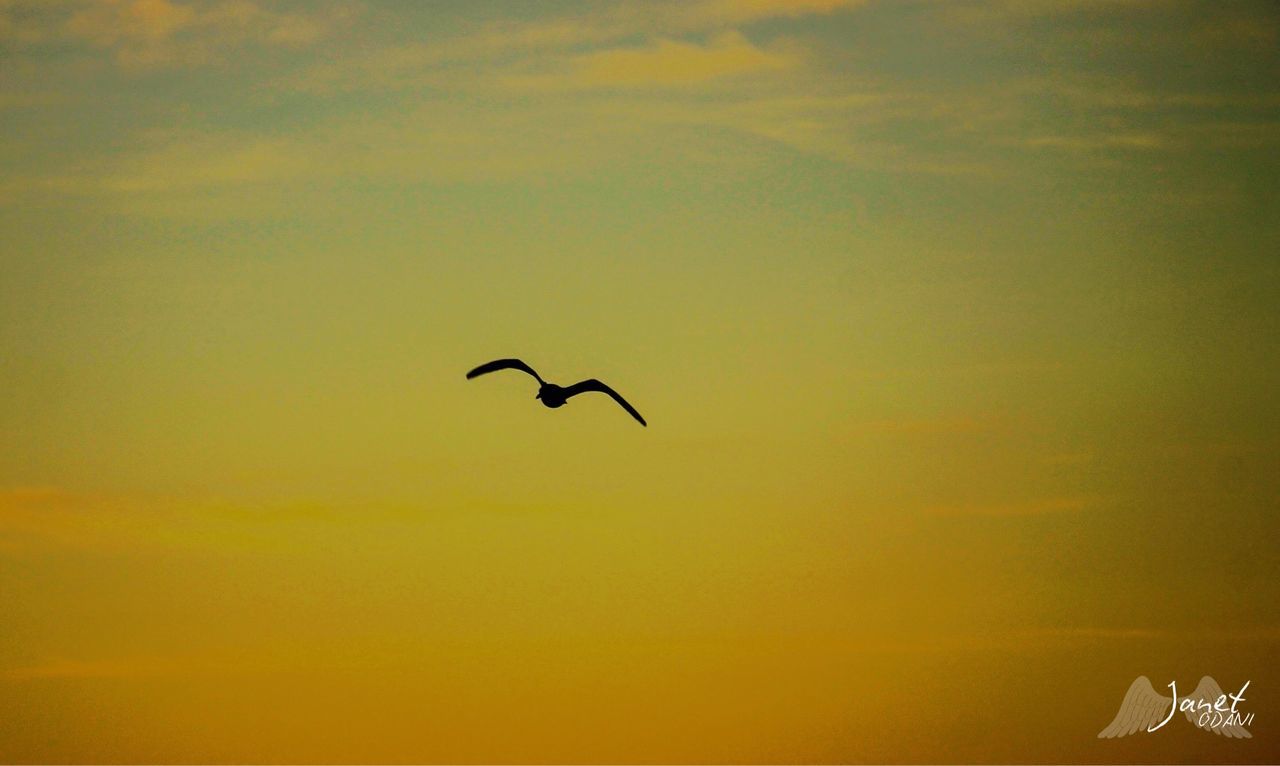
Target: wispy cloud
x,y
665,63
987,11
44,519
150,33
1123,94
566,94
201,161
1095,634
1033,639
960,424
592,48
63,668
708,13
51,517
1069,459
1036,507
611,22
1101,141
39,519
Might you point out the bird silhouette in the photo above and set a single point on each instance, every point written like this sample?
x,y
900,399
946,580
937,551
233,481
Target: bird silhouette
x,y
550,394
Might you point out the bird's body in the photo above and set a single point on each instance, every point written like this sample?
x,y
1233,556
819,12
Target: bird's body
x,y
550,394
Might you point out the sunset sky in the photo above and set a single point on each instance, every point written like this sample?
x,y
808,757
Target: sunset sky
x,y
955,324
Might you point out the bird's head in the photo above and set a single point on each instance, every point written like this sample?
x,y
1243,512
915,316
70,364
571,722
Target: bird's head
x,y
538,395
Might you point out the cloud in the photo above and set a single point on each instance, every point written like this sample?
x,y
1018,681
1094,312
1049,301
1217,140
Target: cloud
x,y
191,162
41,520
614,61
658,19
497,133
676,63
986,11
666,63
149,33
28,22
33,518
201,161
1040,507
117,22
435,142
1092,633
66,668
506,50
609,74
1182,635
736,12
1024,639
798,112
1009,640
1069,459
1129,140
933,426
1123,94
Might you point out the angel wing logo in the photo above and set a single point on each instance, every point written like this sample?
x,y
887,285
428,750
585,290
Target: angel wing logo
x,y
1146,709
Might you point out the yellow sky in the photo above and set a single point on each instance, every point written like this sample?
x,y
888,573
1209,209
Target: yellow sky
x,y
953,322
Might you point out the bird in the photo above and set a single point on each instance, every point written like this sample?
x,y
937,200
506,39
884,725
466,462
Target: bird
x,y
550,394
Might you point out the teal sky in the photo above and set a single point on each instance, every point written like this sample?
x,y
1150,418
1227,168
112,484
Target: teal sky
x,y
954,323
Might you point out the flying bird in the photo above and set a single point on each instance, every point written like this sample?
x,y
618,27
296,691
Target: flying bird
x,y
550,394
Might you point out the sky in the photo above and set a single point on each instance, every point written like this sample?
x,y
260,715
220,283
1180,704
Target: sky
x,y
955,326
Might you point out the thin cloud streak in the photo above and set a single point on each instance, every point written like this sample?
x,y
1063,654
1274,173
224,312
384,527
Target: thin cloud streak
x,y
667,63
58,669
1038,507
145,34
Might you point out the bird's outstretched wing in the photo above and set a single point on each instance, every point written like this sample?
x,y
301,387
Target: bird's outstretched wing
x,y
1209,691
595,385
504,364
1143,707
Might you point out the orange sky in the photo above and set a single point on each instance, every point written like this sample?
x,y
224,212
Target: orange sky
x,y
954,324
